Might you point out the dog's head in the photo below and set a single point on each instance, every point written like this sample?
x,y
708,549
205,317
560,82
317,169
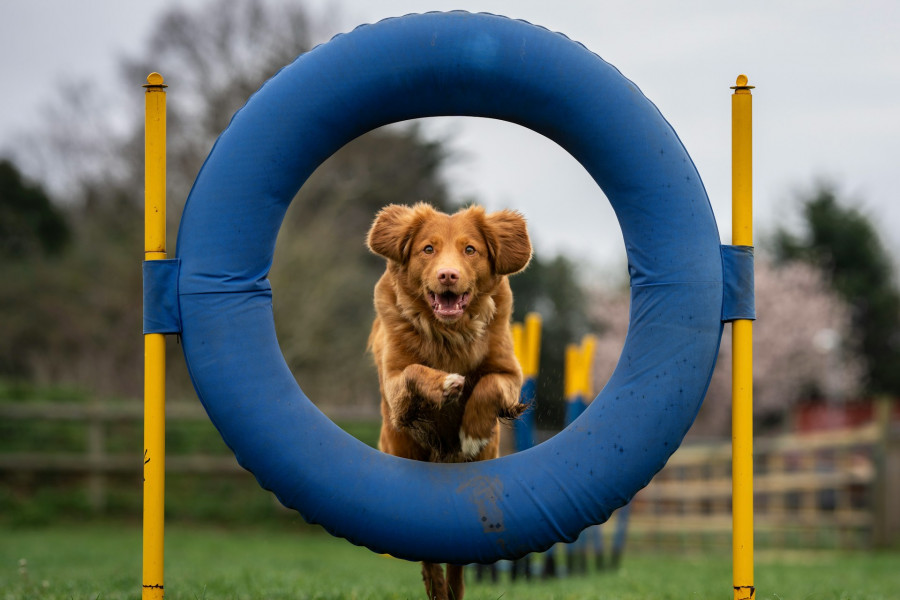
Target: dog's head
x,y
447,261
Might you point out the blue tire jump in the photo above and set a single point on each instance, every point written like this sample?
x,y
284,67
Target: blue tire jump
x,y
433,65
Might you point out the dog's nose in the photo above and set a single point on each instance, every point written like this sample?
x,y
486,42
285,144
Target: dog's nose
x,y
448,276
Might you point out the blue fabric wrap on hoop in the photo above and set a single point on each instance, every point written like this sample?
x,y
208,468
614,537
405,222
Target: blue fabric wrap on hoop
x,y
739,300
161,313
431,65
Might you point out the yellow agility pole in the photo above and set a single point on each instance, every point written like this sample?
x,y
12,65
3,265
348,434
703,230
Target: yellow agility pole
x,y
532,345
518,336
154,343
742,348
586,373
578,384
570,372
527,347
527,344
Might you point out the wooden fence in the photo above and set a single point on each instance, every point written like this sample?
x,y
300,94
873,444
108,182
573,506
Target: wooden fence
x,y
827,489
96,462
103,444
832,489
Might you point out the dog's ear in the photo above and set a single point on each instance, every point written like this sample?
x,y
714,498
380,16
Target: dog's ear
x,y
508,241
394,228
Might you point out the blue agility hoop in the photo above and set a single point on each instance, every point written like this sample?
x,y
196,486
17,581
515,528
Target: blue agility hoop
x,y
434,65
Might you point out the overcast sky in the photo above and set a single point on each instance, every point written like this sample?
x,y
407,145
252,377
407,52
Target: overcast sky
x,y
825,106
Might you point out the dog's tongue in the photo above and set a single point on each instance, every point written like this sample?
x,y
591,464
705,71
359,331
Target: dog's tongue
x,y
448,304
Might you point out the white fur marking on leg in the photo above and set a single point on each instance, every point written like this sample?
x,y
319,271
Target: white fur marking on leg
x,y
451,381
472,446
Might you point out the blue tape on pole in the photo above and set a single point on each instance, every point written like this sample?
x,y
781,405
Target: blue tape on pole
x,y
523,427
161,314
430,65
574,408
740,299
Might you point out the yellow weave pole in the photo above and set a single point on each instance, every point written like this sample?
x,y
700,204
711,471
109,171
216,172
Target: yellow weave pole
x,y
742,348
532,344
527,344
518,336
571,372
154,343
588,347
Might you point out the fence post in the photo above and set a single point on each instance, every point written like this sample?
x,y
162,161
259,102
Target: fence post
x,y
154,343
96,450
886,525
742,345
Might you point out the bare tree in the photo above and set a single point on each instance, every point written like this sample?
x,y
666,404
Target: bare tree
x,y
213,59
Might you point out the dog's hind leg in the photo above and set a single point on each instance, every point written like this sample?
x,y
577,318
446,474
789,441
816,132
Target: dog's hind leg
x,y
455,582
435,584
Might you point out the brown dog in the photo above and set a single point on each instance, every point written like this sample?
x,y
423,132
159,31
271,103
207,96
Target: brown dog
x,y
441,338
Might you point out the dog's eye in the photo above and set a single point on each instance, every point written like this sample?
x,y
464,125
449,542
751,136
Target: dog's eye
x,y
470,250
429,249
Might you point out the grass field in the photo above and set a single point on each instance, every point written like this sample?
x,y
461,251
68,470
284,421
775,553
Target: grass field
x,y
102,562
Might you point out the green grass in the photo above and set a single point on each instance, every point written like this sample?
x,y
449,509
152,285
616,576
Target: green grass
x,y
103,562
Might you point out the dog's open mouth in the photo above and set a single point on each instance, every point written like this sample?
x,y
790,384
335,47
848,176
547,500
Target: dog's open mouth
x,y
448,305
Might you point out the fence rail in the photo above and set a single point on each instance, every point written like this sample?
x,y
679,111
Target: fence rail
x,y
95,462
834,488
831,488
73,463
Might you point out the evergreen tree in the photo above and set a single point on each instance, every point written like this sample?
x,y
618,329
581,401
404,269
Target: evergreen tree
x,y
29,222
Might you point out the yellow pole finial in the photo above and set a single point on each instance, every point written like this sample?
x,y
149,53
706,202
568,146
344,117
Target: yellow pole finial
x,y
742,347
154,343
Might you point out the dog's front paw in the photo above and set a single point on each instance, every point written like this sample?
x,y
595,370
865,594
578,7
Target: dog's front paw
x,y
471,447
513,412
453,387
